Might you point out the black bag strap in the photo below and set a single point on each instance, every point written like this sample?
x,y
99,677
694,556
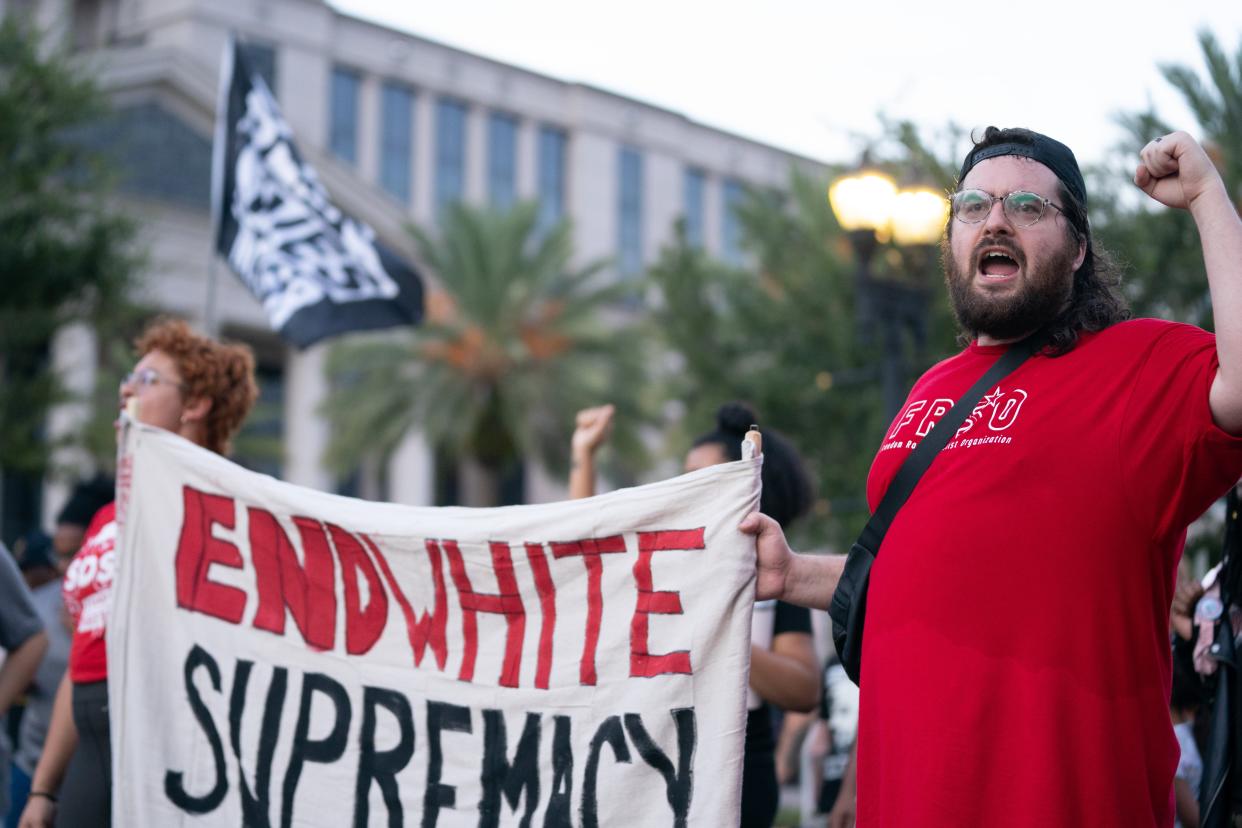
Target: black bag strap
x,y
925,452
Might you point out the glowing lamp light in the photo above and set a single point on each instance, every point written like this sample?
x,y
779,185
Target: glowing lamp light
x,y
919,216
863,201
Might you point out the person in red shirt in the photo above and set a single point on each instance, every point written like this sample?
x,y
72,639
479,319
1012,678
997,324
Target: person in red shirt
x,y
202,390
1001,684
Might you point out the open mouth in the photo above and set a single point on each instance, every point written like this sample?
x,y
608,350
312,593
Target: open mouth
x,y
996,264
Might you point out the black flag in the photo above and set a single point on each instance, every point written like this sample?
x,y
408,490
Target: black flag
x,y
317,271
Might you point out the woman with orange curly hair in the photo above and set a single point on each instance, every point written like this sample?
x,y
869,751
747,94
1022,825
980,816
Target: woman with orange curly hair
x,y
201,390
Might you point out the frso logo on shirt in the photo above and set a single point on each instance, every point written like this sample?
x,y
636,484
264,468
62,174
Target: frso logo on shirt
x,y
993,416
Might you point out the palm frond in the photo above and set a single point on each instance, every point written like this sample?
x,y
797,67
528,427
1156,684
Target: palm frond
x,y
530,339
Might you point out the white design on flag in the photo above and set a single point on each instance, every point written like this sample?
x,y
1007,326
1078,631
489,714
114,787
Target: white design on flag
x,y
283,656
293,246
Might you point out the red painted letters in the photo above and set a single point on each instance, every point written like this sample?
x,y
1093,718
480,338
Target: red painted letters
x,y
667,602
507,603
308,591
198,550
362,626
590,549
305,587
433,625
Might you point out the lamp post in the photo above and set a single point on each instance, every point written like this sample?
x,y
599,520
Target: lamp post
x,y
871,209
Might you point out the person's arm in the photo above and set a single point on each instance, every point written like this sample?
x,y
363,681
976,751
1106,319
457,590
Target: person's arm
x,y
1182,612
21,633
794,728
1177,172
19,668
819,743
1187,804
846,806
58,747
591,428
805,580
785,675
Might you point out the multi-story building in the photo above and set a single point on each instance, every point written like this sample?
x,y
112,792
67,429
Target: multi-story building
x,y
396,126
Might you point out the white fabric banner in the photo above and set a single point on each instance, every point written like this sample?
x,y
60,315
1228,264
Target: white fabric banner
x,y
280,656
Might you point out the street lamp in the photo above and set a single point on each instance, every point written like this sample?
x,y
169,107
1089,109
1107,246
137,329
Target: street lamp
x,y
919,214
871,209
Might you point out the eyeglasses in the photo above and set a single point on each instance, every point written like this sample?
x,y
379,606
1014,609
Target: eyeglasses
x,y
147,377
1021,208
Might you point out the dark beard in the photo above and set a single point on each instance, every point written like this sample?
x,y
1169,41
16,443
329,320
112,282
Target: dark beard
x,y
1041,298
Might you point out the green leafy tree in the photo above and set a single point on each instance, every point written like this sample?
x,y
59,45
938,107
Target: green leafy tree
x,y
783,339
1160,248
1216,104
786,335
518,340
65,252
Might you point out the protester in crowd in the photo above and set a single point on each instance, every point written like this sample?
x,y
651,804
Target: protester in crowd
x,y
1183,707
782,665
1207,623
983,701
201,390
33,553
43,575
839,722
24,642
43,562
87,498
844,810
824,761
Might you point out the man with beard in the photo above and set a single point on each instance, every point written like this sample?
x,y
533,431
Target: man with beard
x,y
1016,662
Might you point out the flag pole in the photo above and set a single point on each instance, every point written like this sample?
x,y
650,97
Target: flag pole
x,y
211,321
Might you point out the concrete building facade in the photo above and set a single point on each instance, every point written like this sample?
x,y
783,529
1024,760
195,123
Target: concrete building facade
x,y
396,125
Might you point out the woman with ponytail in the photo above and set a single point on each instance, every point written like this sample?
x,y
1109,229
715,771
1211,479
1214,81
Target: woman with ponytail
x,y
783,672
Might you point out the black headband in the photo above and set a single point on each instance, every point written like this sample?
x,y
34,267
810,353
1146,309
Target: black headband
x,y
1052,154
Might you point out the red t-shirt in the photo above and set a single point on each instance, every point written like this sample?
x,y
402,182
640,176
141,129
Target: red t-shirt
x,y
87,590
1016,665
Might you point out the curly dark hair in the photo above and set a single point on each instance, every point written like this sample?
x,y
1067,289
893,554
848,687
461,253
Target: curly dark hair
x,y
220,372
787,488
1095,299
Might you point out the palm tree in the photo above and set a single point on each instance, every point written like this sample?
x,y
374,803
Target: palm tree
x,y
782,336
1217,105
785,334
1165,270
515,342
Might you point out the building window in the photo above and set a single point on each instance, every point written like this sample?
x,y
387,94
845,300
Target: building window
x,y
396,139
450,152
731,227
93,22
630,212
693,186
551,176
501,160
262,60
343,127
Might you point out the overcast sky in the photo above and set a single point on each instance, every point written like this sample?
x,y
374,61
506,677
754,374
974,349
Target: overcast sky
x,y
811,76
